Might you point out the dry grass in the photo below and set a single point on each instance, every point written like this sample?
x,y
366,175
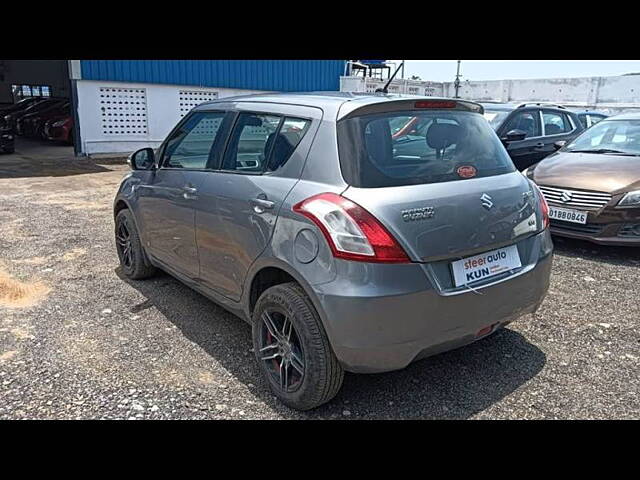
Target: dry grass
x,y
17,294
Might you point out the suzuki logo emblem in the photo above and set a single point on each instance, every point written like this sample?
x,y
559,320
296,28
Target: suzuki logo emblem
x,y
566,197
486,201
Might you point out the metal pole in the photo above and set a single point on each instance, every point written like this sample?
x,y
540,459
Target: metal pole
x,y
456,84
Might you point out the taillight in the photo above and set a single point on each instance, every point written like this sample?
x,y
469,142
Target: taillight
x,y
351,231
543,206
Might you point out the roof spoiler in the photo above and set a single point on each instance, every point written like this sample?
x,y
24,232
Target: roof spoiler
x,y
351,109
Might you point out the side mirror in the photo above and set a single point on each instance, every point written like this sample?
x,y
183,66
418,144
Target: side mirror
x,y
559,144
143,159
514,136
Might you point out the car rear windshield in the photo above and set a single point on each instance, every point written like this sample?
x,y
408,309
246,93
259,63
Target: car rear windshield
x,y
418,147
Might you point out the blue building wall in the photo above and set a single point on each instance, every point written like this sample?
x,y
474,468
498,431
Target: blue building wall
x,y
277,75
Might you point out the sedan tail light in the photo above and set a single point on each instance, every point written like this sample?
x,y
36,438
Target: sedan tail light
x,y
351,231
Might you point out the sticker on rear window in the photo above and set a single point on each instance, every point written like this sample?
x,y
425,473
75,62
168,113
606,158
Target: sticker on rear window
x,y
466,171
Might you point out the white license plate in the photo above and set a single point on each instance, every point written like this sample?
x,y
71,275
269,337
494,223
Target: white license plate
x,y
485,265
567,215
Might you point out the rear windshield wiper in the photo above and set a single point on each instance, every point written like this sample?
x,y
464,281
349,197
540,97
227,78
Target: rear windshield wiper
x,y
604,150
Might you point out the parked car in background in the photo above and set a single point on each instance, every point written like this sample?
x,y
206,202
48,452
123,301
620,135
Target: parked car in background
x,y
19,105
6,140
302,214
31,125
592,184
12,118
59,129
529,130
15,107
589,118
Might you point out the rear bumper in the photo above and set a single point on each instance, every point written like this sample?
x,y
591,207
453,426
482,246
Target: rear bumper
x,y
381,318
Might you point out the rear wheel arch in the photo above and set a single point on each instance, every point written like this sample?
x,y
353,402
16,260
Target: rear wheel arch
x,y
275,271
263,279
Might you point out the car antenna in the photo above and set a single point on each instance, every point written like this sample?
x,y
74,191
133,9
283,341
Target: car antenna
x,y
385,89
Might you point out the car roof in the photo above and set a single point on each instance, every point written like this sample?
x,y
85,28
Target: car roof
x,y
508,107
625,116
342,102
590,112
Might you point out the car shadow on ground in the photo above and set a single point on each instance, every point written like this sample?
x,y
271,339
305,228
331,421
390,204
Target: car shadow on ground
x,y
453,385
38,158
614,255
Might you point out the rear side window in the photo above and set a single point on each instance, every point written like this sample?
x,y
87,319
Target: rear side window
x,y
263,143
249,144
383,150
583,120
286,141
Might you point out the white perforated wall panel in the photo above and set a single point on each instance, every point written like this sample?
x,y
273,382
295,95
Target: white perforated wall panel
x,y
192,98
124,111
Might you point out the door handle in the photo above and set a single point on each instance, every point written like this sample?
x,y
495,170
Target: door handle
x,y
261,204
189,193
538,146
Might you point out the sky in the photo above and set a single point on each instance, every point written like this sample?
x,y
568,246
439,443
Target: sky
x,y
445,70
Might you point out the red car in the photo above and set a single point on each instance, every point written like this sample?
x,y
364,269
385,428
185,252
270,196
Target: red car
x,y
59,129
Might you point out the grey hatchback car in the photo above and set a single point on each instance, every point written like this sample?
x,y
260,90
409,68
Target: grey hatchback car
x,y
348,239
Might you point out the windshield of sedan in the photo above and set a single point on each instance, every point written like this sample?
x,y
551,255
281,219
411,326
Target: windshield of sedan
x,y
495,117
620,137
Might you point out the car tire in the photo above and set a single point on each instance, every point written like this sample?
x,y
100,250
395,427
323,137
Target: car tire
x,y
322,374
133,260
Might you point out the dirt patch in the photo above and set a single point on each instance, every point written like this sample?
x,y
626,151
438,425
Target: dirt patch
x,y
74,253
32,261
22,333
17,294
74,204
206,378
6,356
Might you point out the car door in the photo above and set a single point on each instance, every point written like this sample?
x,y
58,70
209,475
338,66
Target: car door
x,y
166,201
528,151
263,160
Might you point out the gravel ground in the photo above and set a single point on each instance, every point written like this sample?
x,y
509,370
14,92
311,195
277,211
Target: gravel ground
x,y
99,346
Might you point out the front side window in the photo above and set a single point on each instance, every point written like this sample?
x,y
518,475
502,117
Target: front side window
x,y
495,117
555,123
191,145
372,155
609,136
250,142
528,122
